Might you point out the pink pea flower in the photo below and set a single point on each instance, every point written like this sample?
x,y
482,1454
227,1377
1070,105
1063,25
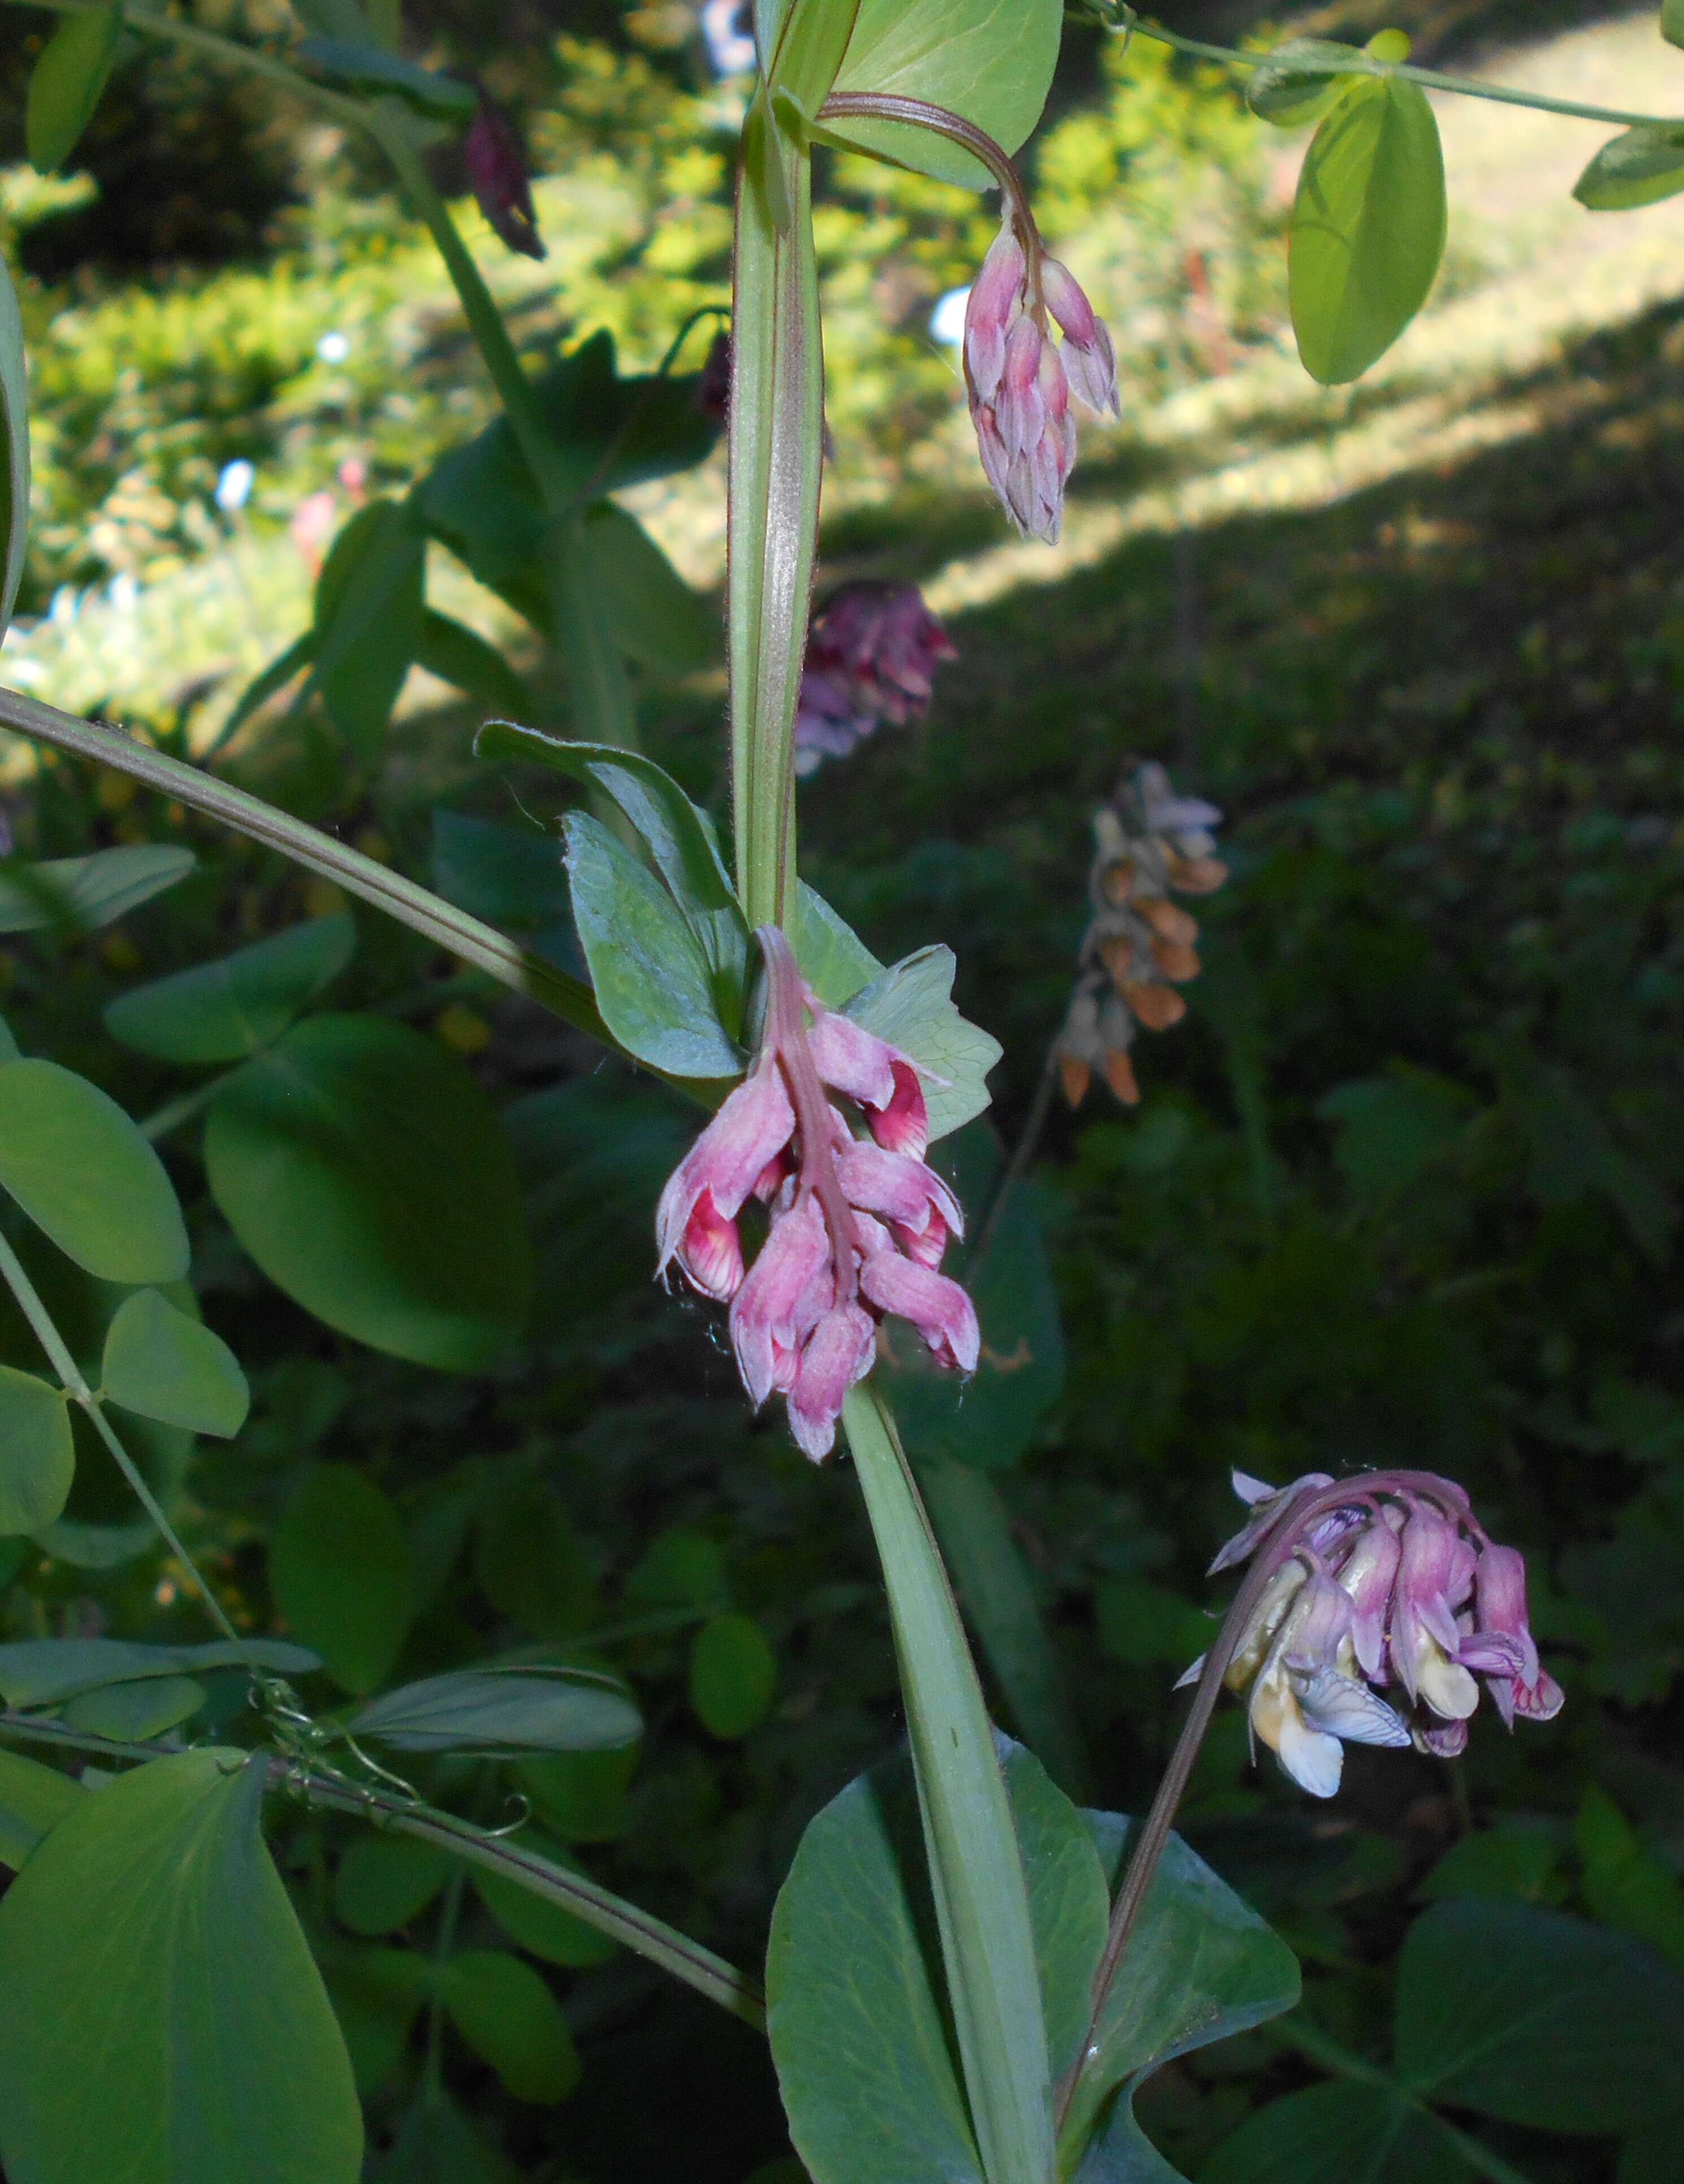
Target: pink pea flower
x,y
871,656
1388,1578
497,173
856,1225
1020,381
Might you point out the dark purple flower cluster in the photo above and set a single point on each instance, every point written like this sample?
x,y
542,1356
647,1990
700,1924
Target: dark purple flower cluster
x,y
871,651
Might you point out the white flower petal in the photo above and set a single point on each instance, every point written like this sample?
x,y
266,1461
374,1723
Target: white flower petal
x,y
1342,1706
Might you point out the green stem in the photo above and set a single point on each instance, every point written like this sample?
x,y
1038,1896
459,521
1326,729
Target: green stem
x,y
976,1868
636,1929
1363,63
411,905
163,1120
75,1384
776,430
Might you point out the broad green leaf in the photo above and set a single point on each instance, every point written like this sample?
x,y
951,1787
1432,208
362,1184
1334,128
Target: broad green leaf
x,y
366,1173
1535,2018
368,621
911,1007
270,682
653,615
580,1796
14,454
990,1419
65,84
165,1365
677,837
1299,81
1392,1128
506,875
1367,227
1650,2153
734,1676
383,1881
85,893
529,1564
607,433
461,655
437,2143
677,1569
990,61
497,1712
233,1007
1627,1887
163,2016
1201,1966
133,1712
1344,2133
1672,21
539,1926
505,2012
86,1178
833,959
1517,1861
376,1994
653,980
37,1453
37,1672
371,69
1638,167
33,1798
339,1568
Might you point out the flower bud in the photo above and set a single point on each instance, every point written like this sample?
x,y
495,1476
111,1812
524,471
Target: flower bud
x,y
497,173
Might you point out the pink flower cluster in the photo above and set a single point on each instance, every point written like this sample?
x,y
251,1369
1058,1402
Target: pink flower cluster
x,y
1385,1580
1020,382
856,1227
871,651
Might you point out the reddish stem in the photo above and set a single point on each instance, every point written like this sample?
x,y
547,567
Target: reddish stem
x,y
786,1037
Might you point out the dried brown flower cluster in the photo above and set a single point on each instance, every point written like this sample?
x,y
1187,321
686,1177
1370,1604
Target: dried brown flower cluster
x,y
1148,842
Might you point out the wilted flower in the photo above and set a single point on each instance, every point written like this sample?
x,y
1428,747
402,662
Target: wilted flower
x,y
1020,382
1138,945
871,652
1385,1580
855,1225
497,173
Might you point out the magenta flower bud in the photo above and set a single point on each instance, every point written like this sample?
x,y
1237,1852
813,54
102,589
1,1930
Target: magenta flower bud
x,y
497,174
897,1188
766,1313
841,1351
1500,1608
995,300
1367,1574
1426,1641
722,1168
938,1307
1090,360
1266,1503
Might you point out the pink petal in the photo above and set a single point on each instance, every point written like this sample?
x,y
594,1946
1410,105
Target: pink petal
x,y
937,1306
838,1352
712,1253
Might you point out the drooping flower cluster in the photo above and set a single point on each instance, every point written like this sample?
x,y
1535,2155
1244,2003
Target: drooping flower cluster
x,y
856,1226
1020,381
1138,945
872,650
1382,1582
497,174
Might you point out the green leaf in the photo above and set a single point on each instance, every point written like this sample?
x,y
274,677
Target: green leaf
x,y
37,1672
911,1007
1672,21
384,1880
370,69
833,959
65,84
163,2016
493,1712
652,614
678,1568
652,977
37,1453
1299,81
580,1796
1626,1888
734,1676
1516,1862
366,1173
1201,1966
1535,2018
458,655
135,1713
529,1564
1367,227
82,893
540,1927
606,433
506,2013
679,840
1145,1624
1391,1130
809,52
165,1365
33,1798
1639,167
15,455
1344,2133
990,61
340,1570
368,619
376,1995
437,2143
235,1006
506,875
84,1175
